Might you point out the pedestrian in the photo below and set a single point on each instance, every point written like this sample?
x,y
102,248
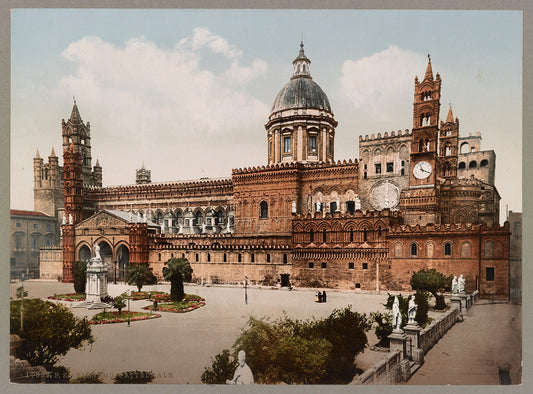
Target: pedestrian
x,y
317,299
155,305
324,296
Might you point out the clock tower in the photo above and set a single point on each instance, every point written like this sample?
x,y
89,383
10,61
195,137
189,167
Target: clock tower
x,y
421,201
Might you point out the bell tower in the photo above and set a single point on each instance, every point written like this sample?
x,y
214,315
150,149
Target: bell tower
x,y
448,146
421,202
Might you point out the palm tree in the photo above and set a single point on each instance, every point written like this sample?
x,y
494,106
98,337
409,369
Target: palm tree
x,y
177,271
140,275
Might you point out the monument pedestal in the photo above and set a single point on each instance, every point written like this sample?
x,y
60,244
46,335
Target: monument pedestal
x,y
397,342
412,331
456,302
96,286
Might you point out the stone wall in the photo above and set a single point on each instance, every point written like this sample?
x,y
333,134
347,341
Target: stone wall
x,y
51,266
434,331
386,371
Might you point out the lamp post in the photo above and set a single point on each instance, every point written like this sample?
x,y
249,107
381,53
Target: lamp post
x,y
245,289
22,303
129,296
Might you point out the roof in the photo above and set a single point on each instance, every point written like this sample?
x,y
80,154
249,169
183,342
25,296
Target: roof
x,y
19,212
301,92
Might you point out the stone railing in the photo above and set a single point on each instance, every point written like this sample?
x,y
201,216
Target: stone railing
x,y
386,371
430,335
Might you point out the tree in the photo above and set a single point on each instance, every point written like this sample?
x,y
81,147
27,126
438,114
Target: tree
x,y
50,330
177,271
119,303
433,281
140,275
383,327
79,271
422,307
21,293
222,368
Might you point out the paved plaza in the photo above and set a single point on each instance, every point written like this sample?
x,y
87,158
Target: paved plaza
x,y
177,347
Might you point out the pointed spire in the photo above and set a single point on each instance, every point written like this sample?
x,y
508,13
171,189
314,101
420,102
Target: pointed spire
x,y
75,115
97,163
429,71
37,156
53,154
142,167
301,63
449,119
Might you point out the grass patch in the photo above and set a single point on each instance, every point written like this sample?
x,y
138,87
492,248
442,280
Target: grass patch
x,y
189,303
144,295
68,297
115,317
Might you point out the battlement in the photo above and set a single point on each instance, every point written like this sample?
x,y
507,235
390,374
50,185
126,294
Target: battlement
x,y
386,135
157,186
358,214
448,228
294,165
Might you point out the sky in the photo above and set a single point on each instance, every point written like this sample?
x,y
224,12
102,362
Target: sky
x,y
187,92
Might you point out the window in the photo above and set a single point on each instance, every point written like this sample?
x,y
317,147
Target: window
x,y
447,249
464,147
414,250
351,266
398,249
390,167
472,164
209,257
379,231
252,258
462,165
287,145
284,258
239,258
183,255
365,266
17,224
466,250
403,163
270,148
312,143
330,146
171,255
225,257
364,175
268,257
332,207
402,171
35,226
350,207
489,273
48,226
448,151
351,235
365,236
159,256
484,163
365,167
264,210
311,264
34,243
197,257
358,285
378,168
311,235
324,236
323,265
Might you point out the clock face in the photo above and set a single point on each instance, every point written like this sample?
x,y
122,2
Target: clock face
x,y
385,194
422,170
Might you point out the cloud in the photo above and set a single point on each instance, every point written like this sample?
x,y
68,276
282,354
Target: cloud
x,y
378,83
164,103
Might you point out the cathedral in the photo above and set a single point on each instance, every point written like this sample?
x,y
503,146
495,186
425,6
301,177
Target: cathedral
x,y
413,199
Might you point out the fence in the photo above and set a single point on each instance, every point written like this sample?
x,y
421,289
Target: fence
x,y
386,371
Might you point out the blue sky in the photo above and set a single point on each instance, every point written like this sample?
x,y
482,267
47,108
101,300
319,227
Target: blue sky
x,y
188,92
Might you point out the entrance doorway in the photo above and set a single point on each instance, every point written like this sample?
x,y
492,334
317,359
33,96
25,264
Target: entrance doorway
x,y
285,280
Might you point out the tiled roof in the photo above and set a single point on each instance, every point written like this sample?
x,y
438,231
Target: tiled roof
x,y
20,212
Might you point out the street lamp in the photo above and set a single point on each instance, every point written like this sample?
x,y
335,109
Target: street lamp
x,y
129,296
246,289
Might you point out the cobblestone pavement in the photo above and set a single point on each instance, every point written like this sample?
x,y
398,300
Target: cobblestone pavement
x,y
178,346
472,350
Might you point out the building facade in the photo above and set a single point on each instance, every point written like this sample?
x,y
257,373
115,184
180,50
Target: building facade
x,y
408,202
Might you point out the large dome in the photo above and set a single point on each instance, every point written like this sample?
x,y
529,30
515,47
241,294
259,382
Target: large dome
x,y
301,92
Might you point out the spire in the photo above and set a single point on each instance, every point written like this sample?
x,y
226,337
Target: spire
x,y
301,64
75,115
53,154
449,119
37,156
97,163
429,71
142,167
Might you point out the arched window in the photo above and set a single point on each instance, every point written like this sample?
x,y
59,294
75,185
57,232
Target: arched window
x,y
225,257
284,258
488,249
448,151
398,249
379,231
484,163
351,235
462,165
268,257
447,249
239,258
264,210
472,164
324,236
464,147
311,235
414,250
430,249
466,249
252,258
365,236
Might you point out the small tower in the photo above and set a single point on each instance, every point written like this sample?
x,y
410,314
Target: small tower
x,y
448,146
143,176
97,174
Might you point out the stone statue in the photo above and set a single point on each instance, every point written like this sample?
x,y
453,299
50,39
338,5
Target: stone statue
x,y
412,310
203,227
455,285
162,229
338,208
243,374
181,229
357,203
318,206
461,284
97,252
294,207
70,220
64,220
396,315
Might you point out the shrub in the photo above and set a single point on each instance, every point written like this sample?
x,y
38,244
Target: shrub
x,y
134,377
383,327
421,300
90,378
79,271
268,280
222,368
433,281
119,302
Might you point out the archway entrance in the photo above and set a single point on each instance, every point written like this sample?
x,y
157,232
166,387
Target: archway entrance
x,y
123,262
285,280
107,257
84,254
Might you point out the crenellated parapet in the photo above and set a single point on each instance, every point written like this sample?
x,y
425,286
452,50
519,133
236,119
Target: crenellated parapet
x,y
385,136
358,214
216,242
449,229
293,165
